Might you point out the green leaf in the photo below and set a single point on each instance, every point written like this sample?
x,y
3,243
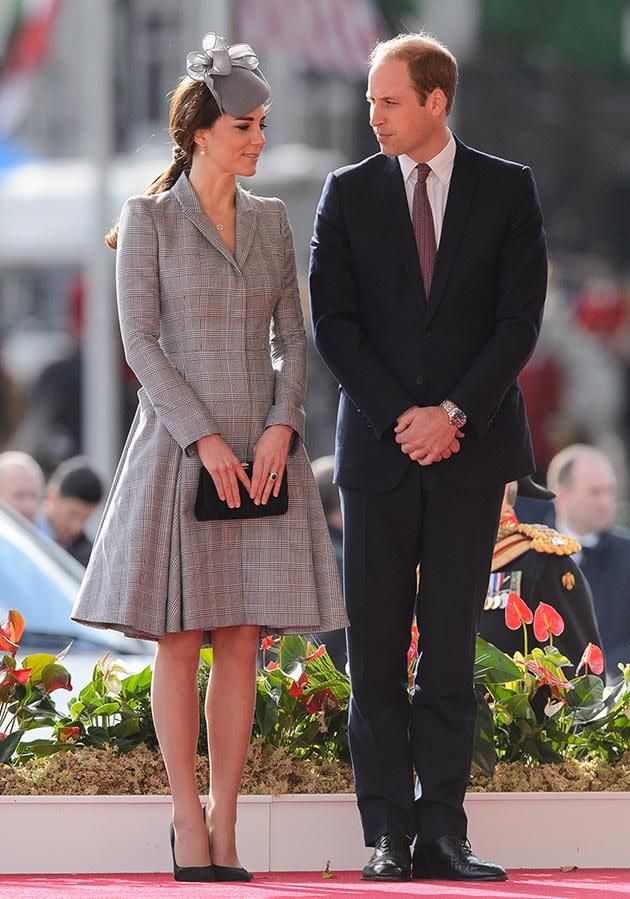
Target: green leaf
x,y
109,708
206,656
38,662
588,690
493,666
484,754
268,710
8,746
75,710
136,683
126,728
292,651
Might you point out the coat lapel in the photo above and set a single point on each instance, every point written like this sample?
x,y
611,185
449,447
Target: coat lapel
x,y
460,194
245,220
245,225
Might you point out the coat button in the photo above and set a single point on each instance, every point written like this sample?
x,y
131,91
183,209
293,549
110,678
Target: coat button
x,y
419,380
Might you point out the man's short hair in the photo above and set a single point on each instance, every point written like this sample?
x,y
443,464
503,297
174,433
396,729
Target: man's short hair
x,y
560,469
12,458
76,479
431,64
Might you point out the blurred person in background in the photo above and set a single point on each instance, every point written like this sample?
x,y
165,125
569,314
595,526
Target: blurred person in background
x,y
427,345
73,493
584,481
323,469
535,562
212,325
21,483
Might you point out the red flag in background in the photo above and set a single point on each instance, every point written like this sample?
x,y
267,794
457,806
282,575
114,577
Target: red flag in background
x,y
333,36
25,30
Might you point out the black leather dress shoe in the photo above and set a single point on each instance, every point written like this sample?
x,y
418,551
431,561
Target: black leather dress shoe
x,y
451,858
391,859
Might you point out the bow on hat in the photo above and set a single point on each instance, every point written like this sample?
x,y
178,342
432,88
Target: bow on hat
x,y
218,58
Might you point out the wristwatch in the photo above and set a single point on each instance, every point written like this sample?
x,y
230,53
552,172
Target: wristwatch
x,y
455,415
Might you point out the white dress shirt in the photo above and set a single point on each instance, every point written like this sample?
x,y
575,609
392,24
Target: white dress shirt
x,y
438,182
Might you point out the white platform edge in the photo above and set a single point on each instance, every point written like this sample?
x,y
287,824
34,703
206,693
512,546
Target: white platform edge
x,y
128,834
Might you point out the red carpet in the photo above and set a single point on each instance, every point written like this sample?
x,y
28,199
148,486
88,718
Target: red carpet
x,y
586,884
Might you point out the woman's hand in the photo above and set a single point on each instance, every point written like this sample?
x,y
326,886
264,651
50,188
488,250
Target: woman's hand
x,y
270,455
224,468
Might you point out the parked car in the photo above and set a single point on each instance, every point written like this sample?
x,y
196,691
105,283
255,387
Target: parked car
x,y
41,580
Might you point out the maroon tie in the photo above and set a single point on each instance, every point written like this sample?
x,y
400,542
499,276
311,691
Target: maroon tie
x,y
423,227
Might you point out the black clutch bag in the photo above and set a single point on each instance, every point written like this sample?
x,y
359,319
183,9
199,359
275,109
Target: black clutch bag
x,y
209,507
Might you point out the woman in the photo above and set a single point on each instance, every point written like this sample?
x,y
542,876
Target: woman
x,y
204,269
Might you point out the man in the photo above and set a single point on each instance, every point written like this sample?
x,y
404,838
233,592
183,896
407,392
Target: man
x,y
72,495
427,278
585,485
21,483
535,562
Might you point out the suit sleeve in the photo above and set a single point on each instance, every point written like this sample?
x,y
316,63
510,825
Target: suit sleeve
x,y
521,290
337,331
288,343
137,286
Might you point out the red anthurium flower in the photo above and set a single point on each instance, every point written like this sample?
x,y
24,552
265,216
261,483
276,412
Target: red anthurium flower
x,y
316,701
21,675
517,612
14,628
546,675
297,687
592,659
267,643
272,666
69,734
60,681
319,652
7,645
546,622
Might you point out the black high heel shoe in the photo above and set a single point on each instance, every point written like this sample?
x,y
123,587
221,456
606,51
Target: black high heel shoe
x,y
225,874
202,874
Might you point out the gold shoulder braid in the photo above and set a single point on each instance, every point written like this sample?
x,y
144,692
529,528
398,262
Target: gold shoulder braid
x,y
515,539
548,540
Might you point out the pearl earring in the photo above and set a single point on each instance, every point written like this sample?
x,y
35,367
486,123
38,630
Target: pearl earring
x,y
202,152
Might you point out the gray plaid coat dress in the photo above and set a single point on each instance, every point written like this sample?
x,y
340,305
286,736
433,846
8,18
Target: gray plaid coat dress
x,y
218,344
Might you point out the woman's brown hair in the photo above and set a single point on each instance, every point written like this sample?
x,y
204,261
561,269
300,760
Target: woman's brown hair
x,y
192,106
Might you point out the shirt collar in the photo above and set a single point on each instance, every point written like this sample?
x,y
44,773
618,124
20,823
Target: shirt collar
x,y
441,164
588,541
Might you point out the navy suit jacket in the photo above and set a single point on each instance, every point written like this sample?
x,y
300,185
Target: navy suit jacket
x,y
390,348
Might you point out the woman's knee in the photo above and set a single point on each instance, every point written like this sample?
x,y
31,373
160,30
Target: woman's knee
x,y
236,642
181,647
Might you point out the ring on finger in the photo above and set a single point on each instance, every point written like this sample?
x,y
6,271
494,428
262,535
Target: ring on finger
x,y
273,475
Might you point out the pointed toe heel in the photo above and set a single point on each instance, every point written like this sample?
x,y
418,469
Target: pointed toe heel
x,y
202,874
225,874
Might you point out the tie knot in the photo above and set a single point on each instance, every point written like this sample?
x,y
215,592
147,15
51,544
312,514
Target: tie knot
x,y
423,171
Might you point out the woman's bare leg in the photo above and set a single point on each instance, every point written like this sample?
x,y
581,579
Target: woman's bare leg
x,y
229,713
175,705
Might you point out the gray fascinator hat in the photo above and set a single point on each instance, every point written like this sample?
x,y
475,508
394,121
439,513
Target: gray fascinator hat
x,y
231,74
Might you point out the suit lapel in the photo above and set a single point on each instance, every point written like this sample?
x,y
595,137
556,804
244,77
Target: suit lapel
x,y
460,194
397,233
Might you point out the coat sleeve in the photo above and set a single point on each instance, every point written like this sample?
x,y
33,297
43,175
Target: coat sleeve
x,y
337,331
521,290
137,286
288,343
